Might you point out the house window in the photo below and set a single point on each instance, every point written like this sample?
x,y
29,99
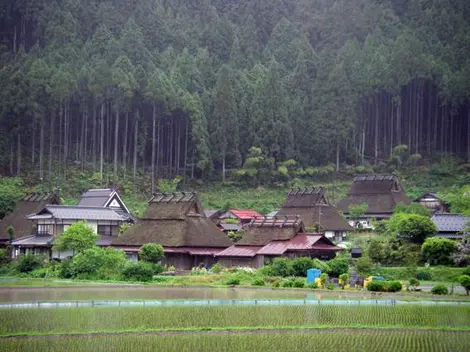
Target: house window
x,y
44,229
104,230
338,236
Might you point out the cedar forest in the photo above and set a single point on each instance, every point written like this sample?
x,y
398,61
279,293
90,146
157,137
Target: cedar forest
x,y
189,87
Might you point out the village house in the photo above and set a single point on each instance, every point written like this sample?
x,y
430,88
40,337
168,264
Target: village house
x,y
243,216
381,193
177,222
433,203
268,238
30,204
102,209
452,226
314,209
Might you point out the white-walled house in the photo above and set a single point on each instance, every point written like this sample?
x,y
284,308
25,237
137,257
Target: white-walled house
x,y
102,209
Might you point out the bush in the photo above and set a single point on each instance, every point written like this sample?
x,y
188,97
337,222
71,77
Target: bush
x,y
393,286
424,276
440,290
415,227
330,286
151,252
464,281
299,283
438,251
338,266
29,262
376,286
344,278
313,285
287,283
65,269
4,258
466,271
276,283
301,265
233,281
323,266
413,283
217,268
140,271
257,282
281,267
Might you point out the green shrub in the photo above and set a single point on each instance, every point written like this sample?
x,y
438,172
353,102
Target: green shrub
x,y
29,262
438,251
4,258
301,265
440,290
276,283
464,281
140,271
376,286
330,286
257,282
413,283
151,252
299,283
39,273
466,271
424,276
313,285
233,281
393,286
65,269
287,283
281,267
321,265
217,268
338,266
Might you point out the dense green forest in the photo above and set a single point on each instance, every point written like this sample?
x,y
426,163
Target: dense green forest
x,y
126,87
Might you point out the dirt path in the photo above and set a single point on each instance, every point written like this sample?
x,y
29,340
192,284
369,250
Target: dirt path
x,y
311,330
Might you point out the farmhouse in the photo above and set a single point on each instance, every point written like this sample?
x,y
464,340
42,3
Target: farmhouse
x,y
433,203
30,204
381,193
103,210
268,238
450,225
243,216
177,222
313,208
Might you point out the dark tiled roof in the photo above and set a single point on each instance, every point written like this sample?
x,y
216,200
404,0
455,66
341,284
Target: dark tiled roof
x,y
260,232
381,192
79,213
34,241
448,222
31,203
95,197
229,227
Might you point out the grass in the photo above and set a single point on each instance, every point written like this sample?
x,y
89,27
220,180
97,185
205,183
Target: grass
x,y
389,341
111,319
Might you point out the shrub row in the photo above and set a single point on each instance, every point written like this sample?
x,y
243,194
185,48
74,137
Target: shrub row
x,y
384,286
298,267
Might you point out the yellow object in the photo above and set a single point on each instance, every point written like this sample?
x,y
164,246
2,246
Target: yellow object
x,y
318,282
367,281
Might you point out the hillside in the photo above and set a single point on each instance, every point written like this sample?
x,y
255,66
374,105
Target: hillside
x,y
124,89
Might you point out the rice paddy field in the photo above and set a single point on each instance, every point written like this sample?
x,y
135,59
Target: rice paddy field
x,y
238,328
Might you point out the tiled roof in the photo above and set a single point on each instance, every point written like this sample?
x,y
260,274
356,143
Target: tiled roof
x,y
79,213
95,197
229,227
245,214
33,241
449,222
301,242
239,251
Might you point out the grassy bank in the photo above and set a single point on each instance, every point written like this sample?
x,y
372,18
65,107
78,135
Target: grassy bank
x,y
433,273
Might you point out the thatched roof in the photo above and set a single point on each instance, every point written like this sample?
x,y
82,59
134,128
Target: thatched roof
x,y
260,232
30,204
313,208
174,220
381,192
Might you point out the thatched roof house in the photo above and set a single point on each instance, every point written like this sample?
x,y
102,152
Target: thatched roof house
x,y
381,193
177,222
268,238
313,208
30,204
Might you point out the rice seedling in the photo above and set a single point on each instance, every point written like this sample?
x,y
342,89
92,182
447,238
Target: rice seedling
x,y
361,340
67,320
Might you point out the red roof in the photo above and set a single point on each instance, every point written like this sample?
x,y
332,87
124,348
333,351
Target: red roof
x,y
245,214
239,251
301,242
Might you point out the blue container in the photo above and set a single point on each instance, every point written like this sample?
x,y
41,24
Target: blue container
x,y
312,274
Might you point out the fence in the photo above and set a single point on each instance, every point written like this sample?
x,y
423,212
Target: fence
x,y
260,302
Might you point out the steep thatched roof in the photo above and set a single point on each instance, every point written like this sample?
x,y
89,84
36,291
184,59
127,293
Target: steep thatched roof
x,y
260,232
30,204
313,208
381,193
174,220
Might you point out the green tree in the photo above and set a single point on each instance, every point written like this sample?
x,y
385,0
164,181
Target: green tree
x,y
151,252
363,266
412,226
464,281
356,211
77,238
438,251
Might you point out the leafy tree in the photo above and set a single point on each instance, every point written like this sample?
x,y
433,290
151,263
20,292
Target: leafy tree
x,y
412,226
413,208
169,186
78,237
363,266
338,266
301,265
356,211
438,251
464,281
10,193
151,252
375,251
